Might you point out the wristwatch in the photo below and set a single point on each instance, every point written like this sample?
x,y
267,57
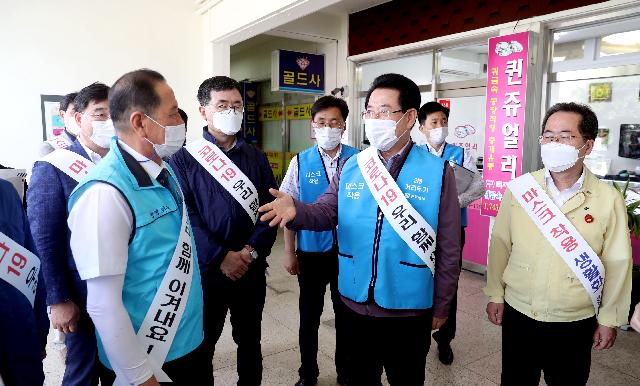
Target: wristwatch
x,y
252,252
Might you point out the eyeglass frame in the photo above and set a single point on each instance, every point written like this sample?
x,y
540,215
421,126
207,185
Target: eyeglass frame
x,y
221,108
557,138
318,125
378,113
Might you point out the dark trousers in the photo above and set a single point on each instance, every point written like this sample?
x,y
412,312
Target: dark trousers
x,y
447,332
191,369
82,367
316,271
244,299
562,350
397,345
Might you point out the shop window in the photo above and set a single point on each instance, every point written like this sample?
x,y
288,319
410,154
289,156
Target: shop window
x,y
620,43
418,68
463,63
568,51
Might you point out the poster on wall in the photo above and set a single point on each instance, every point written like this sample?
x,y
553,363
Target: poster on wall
x,y
52,124
466,122
297,72
600,92
505,116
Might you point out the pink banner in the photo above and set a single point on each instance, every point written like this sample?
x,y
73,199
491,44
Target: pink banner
x,y
506,91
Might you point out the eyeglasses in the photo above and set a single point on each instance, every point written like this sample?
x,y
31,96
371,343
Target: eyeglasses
x,y
100,116
334,124
225,108
565,138
383,114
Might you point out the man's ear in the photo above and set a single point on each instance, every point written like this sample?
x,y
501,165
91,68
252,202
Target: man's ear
x,y
137,121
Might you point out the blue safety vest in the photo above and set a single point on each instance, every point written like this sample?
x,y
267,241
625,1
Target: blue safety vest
x,y
313,180
372,255
157,220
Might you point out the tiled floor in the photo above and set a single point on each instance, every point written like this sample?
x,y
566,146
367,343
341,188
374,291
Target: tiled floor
x,y
476,347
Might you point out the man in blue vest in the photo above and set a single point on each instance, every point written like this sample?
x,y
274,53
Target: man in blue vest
x,y
398,219
433,118
23,327
232,244
132,243
47,197
315,260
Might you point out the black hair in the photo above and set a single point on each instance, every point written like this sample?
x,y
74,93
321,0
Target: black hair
x,y
430,108
184,117
67,100
216,83
409,92
96,92
329,101
134,90
588,125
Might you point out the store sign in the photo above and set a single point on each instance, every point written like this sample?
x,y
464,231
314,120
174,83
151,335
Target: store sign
x,y
505,119
299,72
269,113
275,162
250,121
445,102
293,112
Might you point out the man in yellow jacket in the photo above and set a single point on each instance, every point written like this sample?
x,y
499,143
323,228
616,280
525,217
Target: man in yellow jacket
x,y
559,273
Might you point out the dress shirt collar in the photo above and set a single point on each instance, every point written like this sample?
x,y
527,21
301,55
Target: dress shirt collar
x,y
435,152
207,135
560,197
394,158
327,156
149,166
93,156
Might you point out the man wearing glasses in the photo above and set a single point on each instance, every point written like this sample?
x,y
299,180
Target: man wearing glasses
x,y
315,260
559,273
224,180
53,179
398,224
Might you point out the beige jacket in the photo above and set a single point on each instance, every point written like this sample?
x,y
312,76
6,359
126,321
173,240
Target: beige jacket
x,y
525,271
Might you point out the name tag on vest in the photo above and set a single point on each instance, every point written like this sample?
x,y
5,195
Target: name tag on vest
x,y
19,267
561,234
162,320
227,174
403,217
59,142
72,164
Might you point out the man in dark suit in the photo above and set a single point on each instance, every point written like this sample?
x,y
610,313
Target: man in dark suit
x,y
23,327
51,185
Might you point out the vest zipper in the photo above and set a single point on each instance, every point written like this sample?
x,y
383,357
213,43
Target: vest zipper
x,y
374,256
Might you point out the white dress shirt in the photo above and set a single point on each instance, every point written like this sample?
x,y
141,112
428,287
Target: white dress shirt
x,y
93,156
291,183
101,223
560,197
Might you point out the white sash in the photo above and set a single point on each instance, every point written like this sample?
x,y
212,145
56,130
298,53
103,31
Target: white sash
x,y
227,174
72,164
161,322
19,267
59,142
561,234
405,220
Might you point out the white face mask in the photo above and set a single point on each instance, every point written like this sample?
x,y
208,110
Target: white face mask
x,y
228,122
382,132
173,139
438,135
327,137
71,125
558,157
103,131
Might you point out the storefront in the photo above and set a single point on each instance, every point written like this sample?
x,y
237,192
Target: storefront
x,y
589,55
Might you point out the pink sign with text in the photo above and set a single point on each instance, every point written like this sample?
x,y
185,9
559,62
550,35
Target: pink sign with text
x,y
504,129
